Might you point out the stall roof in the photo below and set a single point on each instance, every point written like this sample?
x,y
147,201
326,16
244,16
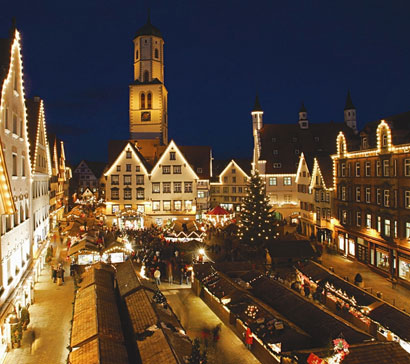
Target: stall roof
x,y
101,277
82,246
319,273
127,279
218,210
369,353
321,325
141,313
101,351
393,319
155,349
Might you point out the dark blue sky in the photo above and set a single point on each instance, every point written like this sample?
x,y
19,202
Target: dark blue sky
x,y
78,57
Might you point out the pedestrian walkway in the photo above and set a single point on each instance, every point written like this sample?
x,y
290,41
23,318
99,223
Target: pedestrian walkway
x,y
373,282
195,316
47,336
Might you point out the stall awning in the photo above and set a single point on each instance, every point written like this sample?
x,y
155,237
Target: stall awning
x,y
82,246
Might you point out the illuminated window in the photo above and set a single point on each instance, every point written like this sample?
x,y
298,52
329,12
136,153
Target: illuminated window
x,y
137,169
155,205
287,181
367,169
155,187
387,227
358,194
142,100
378,196
201,194
379,224
343,193
188,205
149,100
378,168
166,205
287,198
357,169
128,154
407,230
177,205
115,193
141,208
368,221
140,194
407,199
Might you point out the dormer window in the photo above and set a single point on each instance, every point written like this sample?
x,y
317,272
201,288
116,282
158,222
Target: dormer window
x,y
172,156
384,140
365,144
277,165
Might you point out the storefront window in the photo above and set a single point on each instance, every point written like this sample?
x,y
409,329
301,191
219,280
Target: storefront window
x,y
341,243
404,269
115,209
351,247
382,260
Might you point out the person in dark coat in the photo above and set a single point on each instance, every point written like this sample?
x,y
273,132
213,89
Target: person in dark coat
x,y
54,274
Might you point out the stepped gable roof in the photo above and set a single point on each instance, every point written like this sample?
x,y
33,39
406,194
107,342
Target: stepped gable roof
x,y
320,324
33,113
380,352
198,156
399,125
319,140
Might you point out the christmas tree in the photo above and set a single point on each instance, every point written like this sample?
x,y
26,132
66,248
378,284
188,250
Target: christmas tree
x,y
256,223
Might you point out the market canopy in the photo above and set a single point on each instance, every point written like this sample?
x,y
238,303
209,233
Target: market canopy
x,y
83,245
218,210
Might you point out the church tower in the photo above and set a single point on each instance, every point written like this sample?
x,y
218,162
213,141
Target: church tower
x,y
148,95
303,119
257,123
350,112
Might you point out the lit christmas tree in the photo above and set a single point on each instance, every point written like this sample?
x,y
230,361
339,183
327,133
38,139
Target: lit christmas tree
x,y
257,224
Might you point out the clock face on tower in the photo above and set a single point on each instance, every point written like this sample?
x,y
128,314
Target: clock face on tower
x,y
145,116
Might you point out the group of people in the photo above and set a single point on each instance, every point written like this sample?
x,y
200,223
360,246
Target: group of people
x,y
57,274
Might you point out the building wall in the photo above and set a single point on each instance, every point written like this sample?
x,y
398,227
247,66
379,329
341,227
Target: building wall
x,y
15,229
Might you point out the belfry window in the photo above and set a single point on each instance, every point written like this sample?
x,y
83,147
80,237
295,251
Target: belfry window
x,y
136,54
142,100
156,53
149,100
146,76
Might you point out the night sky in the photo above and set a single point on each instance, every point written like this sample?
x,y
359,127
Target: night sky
x,y
78,57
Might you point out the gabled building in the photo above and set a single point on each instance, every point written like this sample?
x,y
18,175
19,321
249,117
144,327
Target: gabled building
x,y
87,176
59,182
15,230
229,186
372,196
140,194
277,149
40,170
315,192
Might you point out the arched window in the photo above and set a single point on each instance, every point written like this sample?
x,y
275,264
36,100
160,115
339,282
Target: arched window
x,y
142,100
384,139
156,53
146,76
136,54
149,100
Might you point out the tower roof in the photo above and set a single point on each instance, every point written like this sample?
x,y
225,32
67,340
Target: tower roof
x,y
302,108
148,29
257,106
349,103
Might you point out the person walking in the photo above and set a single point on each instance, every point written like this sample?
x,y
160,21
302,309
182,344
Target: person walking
x,y
54,273
170,273
157,276
248,338
62,273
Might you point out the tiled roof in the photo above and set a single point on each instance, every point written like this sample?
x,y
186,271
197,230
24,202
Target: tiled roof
x,y
127,280
155,349
219,165
141,313
100,351
100,277
319,140
198,157
96,167
115,148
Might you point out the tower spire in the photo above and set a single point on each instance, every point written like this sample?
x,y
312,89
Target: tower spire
x,y
149,16
257,106
349,103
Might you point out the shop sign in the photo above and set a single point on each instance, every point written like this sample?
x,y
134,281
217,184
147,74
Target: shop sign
x,y
314,359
